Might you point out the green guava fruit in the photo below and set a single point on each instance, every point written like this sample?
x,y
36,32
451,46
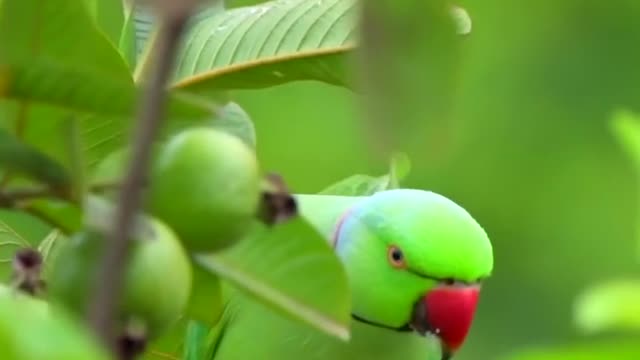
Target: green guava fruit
x,y
31,329
158,277
205,184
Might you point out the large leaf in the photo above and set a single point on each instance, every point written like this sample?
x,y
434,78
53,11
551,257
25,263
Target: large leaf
x,y
109,15
283,267
268,44
20,158
53,52
614,305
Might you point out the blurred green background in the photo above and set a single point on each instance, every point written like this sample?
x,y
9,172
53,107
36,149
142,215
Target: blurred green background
x,y
535,161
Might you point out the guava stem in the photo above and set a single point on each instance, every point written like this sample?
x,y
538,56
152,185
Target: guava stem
x,y
174,16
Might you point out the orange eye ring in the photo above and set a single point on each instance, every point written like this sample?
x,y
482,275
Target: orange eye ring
x,y
396,257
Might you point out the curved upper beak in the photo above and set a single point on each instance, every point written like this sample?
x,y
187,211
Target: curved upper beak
x,y
447,312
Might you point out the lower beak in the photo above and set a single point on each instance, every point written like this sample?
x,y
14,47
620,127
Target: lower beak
x,y
447,312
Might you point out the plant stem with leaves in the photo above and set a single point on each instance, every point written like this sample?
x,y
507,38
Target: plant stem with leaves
x,y
174,16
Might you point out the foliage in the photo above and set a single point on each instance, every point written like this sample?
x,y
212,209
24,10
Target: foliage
x,y
489,119
84,83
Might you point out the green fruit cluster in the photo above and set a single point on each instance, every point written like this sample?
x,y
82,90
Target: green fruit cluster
x,y
202,195
157,279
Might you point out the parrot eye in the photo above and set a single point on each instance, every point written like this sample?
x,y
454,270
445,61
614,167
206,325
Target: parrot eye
x,y
396,257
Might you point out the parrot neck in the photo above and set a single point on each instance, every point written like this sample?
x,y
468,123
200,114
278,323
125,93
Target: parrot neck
x,y
404,328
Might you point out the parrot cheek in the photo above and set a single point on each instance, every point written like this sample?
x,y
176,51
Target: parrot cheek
x,y
447,312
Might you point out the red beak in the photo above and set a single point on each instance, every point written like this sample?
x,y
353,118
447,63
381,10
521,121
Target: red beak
x,y
447,312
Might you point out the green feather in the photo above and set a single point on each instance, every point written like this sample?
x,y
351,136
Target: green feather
x,y
438,238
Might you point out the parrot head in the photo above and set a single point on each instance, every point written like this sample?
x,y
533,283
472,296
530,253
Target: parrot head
x,y
416,262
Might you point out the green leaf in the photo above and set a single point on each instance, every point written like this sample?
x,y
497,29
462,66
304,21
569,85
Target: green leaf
x,y
240,3
234,120
45,246
32,329
399,168
109,14
626,128
145,28
268,44
364,185
593,351
53,52
21,158
614,305
66,216
357,185
283,267
169,345
275,42
49,248
10,242
195,341
127,43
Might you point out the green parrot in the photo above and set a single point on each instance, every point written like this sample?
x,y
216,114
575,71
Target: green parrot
x,y
415,261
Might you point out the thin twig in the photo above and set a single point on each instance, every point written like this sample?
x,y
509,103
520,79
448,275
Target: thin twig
x,y
175,15
9,198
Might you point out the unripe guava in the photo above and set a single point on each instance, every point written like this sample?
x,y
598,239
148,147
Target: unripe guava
x,y
205,184
31,329
157,283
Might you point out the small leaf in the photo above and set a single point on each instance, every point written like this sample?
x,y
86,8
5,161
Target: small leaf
x,y
49,248
10,242
170,344
195,341
399,169
462,20
626,128
21,158
283,267
614,305
127,43
234,120
45,246
365,185
357,185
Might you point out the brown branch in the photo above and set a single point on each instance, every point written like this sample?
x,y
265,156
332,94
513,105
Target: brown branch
x,y
174,16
